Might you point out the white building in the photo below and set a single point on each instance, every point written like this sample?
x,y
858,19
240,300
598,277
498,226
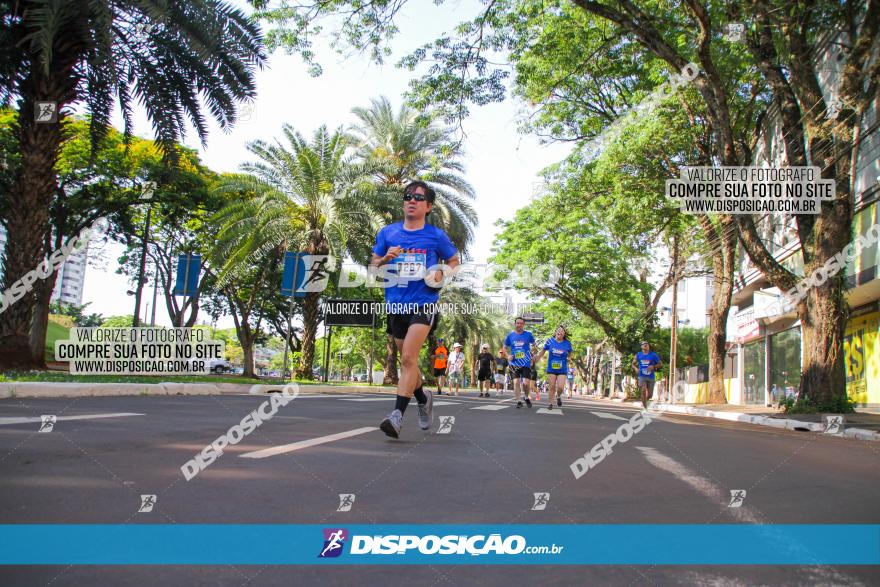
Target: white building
x,y
694,300
71,276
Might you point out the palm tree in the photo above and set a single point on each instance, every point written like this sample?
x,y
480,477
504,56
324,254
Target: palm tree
x,y
168,56
404,146
311,197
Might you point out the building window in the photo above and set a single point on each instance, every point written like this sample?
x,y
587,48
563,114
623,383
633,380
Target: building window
x,y
785,364
753,373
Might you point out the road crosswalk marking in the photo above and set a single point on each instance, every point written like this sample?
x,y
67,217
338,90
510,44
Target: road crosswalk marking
x,y
62,418
556,412
285,448
492,407
607,415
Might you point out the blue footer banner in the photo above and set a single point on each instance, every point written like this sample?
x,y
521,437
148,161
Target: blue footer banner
x,y
523,544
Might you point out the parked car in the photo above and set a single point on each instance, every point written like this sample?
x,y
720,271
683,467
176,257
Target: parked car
x,y
219,366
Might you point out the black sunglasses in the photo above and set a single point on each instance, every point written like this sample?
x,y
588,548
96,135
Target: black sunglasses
x,y
416,197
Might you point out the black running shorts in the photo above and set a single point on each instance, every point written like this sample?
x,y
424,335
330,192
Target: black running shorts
x,y
521,372
398,324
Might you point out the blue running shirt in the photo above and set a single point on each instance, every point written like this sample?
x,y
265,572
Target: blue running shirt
x,y
422,249
557,361
520,346
646,360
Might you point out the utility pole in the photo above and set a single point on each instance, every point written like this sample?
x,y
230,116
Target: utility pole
x,y
155,284
673,344
136,320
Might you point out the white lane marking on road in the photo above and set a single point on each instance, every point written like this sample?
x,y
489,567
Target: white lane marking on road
x,y
324,395
285,448
369,399
557,412
744,513
607,415
61,418
493,407
445,403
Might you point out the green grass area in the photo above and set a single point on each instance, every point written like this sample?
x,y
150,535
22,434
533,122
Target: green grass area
x,y
54,332
60,376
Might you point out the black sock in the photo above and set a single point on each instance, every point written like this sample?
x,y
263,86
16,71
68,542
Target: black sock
x,y
420,396
402,402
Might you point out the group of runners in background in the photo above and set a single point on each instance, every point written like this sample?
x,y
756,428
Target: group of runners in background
x,y
515,362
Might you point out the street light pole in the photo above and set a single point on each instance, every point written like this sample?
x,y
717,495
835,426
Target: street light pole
x,y
136,319
155,284
673,344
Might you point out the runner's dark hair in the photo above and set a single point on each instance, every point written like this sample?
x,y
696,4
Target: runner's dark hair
x,y
430,194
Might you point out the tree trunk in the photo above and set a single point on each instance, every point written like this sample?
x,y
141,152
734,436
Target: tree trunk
x,y
27,219
310,329
823,321
717,352
42,295
723,261
247,346
390,362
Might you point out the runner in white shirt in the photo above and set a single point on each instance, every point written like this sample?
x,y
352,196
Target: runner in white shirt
x,y
455,368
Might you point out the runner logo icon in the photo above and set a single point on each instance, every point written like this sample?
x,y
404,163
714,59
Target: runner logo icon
x,y
346,500
541,500
47,423
334,541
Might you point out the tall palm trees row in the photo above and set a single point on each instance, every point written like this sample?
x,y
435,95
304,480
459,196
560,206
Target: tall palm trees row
x,y
333,193
173,58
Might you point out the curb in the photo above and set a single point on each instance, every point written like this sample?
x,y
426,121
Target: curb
x,y
45,389
786,423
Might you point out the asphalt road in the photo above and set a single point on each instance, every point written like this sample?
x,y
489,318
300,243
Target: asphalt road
x,y
678,470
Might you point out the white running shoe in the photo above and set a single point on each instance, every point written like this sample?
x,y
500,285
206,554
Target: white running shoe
x,y
426,412
392,423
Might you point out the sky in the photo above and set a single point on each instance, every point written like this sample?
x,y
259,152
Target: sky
x,y
502,165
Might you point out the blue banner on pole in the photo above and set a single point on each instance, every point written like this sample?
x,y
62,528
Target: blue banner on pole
x,y
294,264
188,268
439,544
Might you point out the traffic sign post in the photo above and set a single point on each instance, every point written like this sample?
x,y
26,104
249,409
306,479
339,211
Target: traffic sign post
x,y
291,260
533,318
187,284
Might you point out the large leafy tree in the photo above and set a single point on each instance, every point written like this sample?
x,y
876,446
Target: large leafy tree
x,y
602,250
173,58
305,195
402,146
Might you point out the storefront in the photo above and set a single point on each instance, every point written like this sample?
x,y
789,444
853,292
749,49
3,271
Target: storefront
x,y
861,357
785,364
754,369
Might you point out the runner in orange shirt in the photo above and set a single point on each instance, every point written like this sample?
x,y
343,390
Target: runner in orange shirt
x,y
440,355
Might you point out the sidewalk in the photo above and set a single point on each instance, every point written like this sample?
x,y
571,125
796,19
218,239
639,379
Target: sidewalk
x,y
37,389
863,425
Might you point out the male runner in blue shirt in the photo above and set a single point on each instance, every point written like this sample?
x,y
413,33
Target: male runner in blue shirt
x,y
520,343
646,362
412,247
